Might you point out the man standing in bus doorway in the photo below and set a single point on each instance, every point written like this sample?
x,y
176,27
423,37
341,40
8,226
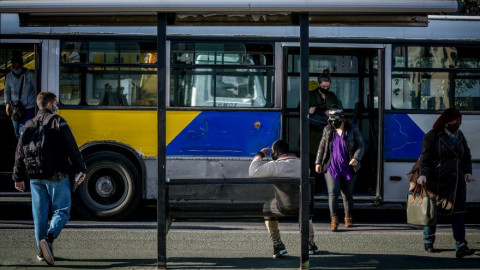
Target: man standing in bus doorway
x,y
49,178
320,100
286,200
19,91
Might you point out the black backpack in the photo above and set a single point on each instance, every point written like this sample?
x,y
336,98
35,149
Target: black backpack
x,y
37,148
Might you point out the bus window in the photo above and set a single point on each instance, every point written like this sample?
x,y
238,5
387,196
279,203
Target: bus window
x,y
420,90
428,77
70,85
345,80
124,88
467,91
221,75
108,73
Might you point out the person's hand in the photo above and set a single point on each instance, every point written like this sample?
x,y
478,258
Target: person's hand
x,y
82,178
422,180
311,110
266,151
20,186
7,109
318,168
468,178
353,162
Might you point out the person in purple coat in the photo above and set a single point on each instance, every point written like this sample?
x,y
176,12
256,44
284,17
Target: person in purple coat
x,y
338,158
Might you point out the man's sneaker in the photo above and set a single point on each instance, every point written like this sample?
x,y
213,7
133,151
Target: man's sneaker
x,y
47,251
429,248
40,256
278,249
464,251
312,248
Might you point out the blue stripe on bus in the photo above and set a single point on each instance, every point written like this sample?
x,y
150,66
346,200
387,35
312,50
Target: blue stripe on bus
x,y
403,138
226,134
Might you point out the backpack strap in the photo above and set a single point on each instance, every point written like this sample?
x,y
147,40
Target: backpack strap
x,y
48,119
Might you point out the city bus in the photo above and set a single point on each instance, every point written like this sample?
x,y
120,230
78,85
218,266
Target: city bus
x,y
232,91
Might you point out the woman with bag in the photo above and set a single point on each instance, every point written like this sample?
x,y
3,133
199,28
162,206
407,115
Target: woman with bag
x,y
338,157
445,168
19,93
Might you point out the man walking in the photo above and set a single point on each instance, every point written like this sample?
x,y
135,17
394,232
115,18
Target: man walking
x,y
48,155
286,201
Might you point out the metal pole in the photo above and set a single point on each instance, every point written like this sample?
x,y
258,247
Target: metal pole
x,y
304,190
162,201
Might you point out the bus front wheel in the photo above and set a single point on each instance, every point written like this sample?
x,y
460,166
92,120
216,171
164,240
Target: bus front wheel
x,y
111,189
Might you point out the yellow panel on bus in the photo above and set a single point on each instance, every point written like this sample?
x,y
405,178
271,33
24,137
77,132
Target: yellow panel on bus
x,y
136,128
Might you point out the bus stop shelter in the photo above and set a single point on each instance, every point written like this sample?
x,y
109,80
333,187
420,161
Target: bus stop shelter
x,y
166,13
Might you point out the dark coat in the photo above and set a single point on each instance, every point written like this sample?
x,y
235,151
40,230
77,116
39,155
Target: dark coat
x,y
66,157
353,142
314,100
445,164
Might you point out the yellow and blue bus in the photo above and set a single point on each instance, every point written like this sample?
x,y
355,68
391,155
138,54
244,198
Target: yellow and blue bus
x,y
234,90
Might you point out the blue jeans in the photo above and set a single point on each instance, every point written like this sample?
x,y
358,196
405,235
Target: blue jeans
x,y
17,127
458,228
47,193
334,187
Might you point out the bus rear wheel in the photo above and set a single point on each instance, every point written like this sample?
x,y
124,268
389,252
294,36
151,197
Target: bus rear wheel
x,y
111,189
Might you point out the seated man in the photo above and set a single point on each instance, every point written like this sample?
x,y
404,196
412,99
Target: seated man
x,y
286,201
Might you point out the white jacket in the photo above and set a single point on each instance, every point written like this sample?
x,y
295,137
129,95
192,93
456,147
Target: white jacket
x,y
288,166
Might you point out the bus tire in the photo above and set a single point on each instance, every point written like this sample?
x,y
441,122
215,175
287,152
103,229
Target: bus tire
x,y
111,189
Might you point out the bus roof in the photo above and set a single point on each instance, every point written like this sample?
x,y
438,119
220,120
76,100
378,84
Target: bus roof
x,y
245,6
219,12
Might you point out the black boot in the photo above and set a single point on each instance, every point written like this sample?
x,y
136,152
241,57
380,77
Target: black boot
x,y
464,251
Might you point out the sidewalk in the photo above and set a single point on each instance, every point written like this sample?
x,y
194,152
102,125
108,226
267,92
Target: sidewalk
x,y
232,245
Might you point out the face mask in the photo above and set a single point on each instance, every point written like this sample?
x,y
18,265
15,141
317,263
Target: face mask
x,y
324,89
337,123
17,71
453,127
54,108
274,156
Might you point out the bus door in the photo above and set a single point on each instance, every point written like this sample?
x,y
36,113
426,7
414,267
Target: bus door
x,y
8,140
354,79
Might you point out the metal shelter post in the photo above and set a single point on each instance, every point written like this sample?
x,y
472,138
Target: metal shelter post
x,y
304,153
162,200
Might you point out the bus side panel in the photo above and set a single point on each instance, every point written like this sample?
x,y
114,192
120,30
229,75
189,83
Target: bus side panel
x,y
226,134
403,141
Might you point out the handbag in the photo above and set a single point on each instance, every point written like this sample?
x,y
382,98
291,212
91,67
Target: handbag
x,y
421,210
317,120
17,110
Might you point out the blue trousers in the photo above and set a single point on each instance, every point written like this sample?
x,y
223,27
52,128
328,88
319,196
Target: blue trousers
x,y
18,125
458,228
46,194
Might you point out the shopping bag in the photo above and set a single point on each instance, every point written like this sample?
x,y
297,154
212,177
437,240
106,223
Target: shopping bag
x,y
421,210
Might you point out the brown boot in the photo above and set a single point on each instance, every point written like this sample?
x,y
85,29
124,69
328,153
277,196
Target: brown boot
x,y
334,223
348,220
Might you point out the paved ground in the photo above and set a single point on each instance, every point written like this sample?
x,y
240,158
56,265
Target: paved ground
x,y
232,245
